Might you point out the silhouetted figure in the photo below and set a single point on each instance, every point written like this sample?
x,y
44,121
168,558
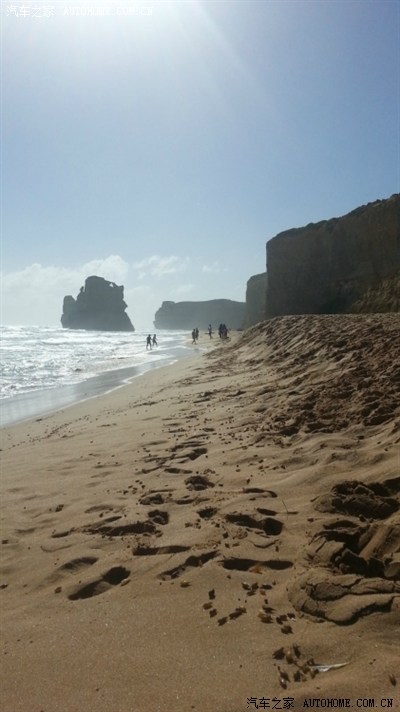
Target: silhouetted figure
x,y
148,342
155,340
197,333
194,337
223,331
210,331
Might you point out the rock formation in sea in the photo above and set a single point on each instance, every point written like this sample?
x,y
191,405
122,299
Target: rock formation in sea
x,y
346,264
256,299
188,315
99,306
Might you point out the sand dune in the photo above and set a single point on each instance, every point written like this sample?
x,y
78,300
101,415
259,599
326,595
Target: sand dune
x,y
212,534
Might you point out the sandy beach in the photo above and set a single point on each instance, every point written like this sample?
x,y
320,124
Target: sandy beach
x,y
221,532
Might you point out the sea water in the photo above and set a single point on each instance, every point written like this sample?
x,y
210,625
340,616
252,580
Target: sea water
x,y
46,368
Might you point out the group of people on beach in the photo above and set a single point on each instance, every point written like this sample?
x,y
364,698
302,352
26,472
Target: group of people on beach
x,y
222,331
195,335
151,341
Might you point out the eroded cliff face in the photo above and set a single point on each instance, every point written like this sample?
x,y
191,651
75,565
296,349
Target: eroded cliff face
x,y
384,296
189,315
99,306
332,265
256,290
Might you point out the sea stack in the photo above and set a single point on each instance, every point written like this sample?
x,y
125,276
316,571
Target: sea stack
x,y
99,306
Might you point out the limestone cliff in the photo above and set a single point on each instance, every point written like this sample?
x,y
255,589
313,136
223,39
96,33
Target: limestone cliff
x,y
99,306
256,299
188,315
333,265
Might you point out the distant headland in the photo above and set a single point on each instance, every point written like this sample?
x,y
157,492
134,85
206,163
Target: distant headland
x,y
186,315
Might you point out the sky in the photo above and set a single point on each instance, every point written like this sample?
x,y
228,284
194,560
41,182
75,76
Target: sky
x,y
162,144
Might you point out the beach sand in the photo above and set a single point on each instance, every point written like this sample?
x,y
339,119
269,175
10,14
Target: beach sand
x,y
209,535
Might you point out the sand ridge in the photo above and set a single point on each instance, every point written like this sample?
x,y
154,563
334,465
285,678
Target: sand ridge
x,y
211,533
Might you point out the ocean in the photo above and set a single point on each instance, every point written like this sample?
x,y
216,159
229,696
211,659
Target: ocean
x,y
46,368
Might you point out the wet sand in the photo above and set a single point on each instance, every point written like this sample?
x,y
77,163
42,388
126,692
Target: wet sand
x,y
32,404
212,534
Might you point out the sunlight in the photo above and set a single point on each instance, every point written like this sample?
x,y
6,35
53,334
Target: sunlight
x,y
217,63
228,52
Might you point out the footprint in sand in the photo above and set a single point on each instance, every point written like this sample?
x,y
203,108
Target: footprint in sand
x,y
207,512
79,563
156,498
270,527
61,534
187,499
112,577
255,565
177,471
192,454
191,562
71,567
188,450
145,527
143,550
22,532
198,482
99,508
267,512
259,490
159,517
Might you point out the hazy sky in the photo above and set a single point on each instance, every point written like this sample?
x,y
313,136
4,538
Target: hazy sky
x,y
162,144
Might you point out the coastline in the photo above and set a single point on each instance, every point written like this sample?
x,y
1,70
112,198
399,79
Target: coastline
x,y
25,406
160,542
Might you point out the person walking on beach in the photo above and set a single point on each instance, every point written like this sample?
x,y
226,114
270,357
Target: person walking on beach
x,y
155,340
148,342
210,331
223,331
194,337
